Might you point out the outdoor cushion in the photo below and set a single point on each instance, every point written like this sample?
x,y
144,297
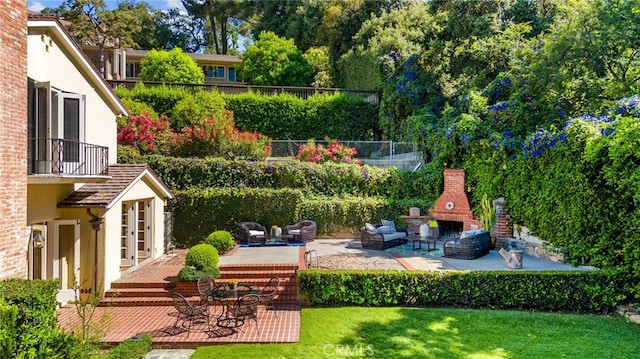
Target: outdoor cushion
x,y
255,233
394,235
385,229
370,227
389,224
294,232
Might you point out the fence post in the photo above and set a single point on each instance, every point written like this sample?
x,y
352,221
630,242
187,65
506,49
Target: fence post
x,y
391,150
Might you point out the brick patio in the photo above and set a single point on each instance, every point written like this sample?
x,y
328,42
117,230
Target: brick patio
x,y
142,303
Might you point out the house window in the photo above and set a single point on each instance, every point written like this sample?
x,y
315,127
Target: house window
x,y
232,74
133,69
215,72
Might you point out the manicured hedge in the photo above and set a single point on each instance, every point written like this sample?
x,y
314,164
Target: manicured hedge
x,y
326,179
198,212
557,291
289,117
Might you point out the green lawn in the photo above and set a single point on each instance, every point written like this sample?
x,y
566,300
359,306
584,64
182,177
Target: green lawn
x,y
445,333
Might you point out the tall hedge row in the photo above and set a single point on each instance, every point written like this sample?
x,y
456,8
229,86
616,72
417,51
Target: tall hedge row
x,y
283,116
326,179
289,117
198,212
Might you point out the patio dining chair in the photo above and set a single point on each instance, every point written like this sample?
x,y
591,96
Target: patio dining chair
x,y
268,293
205,286
189,313
243,309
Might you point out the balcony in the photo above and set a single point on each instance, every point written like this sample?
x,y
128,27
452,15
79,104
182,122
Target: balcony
x,y
63,158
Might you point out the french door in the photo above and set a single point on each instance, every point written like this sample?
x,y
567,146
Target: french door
x,y
136,230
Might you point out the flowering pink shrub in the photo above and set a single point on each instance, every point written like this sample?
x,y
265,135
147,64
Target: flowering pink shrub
x,y
147,134
333,152
211,137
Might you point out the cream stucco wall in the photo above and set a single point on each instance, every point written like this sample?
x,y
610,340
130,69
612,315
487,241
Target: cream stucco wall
x,y
42,201
49,61
141,190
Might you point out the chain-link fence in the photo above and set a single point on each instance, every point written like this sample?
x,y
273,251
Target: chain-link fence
x,y
374,153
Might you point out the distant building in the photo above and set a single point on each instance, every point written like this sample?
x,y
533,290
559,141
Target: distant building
x,y
125,64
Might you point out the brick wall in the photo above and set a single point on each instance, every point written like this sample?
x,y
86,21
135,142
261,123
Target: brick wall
x,y
13,132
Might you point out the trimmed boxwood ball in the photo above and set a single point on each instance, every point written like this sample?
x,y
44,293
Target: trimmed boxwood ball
x,y
201,256
202,259
221,240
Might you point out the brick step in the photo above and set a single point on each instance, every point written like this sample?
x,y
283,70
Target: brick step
x,y
164,285
138,292
259,267
280,299
242,274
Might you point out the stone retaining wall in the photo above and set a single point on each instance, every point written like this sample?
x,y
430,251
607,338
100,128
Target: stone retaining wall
x,y
533,246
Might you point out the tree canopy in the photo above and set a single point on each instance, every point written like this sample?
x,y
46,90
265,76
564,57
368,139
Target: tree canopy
x,y
273,60
170,66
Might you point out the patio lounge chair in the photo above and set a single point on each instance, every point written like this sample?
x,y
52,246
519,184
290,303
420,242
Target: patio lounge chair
x,y
268,293
372,238
471,246
189,313
249,232
303,231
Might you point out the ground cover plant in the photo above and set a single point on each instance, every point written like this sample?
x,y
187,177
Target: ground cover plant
x,y
445,333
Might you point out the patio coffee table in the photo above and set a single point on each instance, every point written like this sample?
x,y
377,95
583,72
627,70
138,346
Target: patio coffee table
x,y
264,239
419,240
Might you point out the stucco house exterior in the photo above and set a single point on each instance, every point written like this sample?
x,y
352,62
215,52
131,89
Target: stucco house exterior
x,y
88,218
121,64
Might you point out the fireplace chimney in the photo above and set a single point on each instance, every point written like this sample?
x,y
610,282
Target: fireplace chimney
x,y
453,204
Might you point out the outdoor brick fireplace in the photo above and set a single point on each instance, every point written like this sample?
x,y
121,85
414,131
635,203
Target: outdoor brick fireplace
x,y
452,209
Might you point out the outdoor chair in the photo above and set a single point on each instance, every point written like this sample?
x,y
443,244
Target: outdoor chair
x,y
205,287
304,231
249,232
189,313
243,309
268,293
469,246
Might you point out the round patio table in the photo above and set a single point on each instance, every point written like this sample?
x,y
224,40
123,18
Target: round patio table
x,y
223,293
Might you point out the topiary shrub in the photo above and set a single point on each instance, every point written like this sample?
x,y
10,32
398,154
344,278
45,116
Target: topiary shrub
x,y
221,240
201,259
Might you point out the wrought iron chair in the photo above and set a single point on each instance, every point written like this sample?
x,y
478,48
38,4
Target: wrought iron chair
x,y
243,309
268,293
188,312
205,287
